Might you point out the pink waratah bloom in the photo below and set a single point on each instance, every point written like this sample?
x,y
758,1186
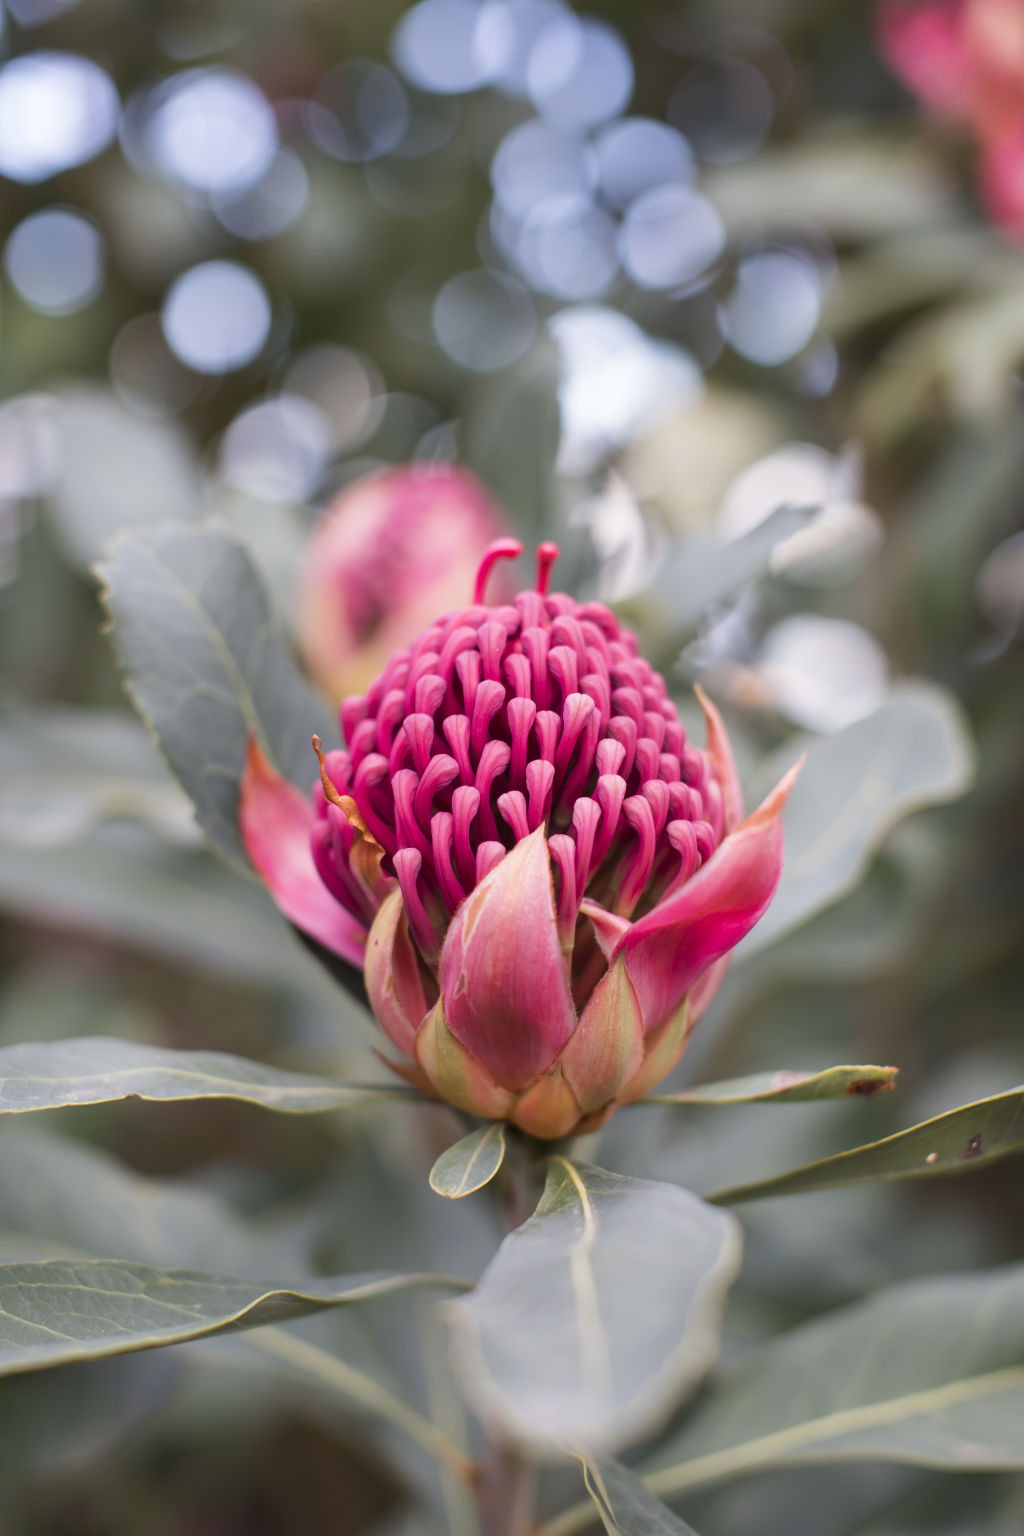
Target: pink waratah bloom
x,y
539,875
395,550
964,59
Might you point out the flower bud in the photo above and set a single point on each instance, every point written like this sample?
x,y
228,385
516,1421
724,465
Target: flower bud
x,y
395,550
539,875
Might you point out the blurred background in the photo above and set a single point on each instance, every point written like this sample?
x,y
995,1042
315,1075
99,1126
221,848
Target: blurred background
x,y
728,298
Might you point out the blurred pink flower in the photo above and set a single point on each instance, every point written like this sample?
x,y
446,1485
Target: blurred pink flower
x,y
540,877
395,549
964,60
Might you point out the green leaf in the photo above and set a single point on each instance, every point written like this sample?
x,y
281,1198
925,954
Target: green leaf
x,y
65,771
911,752
785,1087
470,1163
598,1314
703,574
964,1138
518,405
929,1373
58,1311
99,1070
119,470
626,1506
206,668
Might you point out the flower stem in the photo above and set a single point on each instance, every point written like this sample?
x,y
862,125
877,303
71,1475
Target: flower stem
x,y
353,1384
506,1493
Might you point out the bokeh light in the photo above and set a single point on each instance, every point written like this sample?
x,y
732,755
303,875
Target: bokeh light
x,y
823,673
56,110
614,381
345,387
724,107
216,317
212,130
359,111
449,46
55,259
145,372
637,154
484,320
271,205
277,450
773,309
579,72
535,162
670,236
36,13
507,31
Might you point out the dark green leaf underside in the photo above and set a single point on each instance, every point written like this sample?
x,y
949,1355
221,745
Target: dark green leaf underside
x,y
599,1313
786,1087
207,668
60,1311
98,1070
964,1138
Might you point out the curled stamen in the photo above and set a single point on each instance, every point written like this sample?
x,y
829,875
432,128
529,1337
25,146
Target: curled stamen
x,y
684,840
563,857
488,856
540,778
637,871
457,734
408,863
494,759
439,772
521,715
586,817
512,806
442,832
547,554
465,804
410,833
499,549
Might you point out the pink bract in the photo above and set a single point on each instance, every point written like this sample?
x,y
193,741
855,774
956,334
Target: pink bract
x,y
541,876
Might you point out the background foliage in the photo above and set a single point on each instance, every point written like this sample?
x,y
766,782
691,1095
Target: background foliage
x,y
413,275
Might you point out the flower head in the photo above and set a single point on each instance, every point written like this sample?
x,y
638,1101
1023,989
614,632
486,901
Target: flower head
x,y
964,60
393,551
540,875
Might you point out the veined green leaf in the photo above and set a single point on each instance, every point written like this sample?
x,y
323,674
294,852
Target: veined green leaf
x,y
98,1070
470,1163
912,751
207,668
964,1138
785,1087
598,1314
929,1373
60,1311
626,1506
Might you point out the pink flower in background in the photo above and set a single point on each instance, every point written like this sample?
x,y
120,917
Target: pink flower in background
x,y
541,877
393,551
964,59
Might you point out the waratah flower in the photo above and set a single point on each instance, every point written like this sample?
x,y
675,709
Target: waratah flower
x,y
539,875
964,59
394,551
